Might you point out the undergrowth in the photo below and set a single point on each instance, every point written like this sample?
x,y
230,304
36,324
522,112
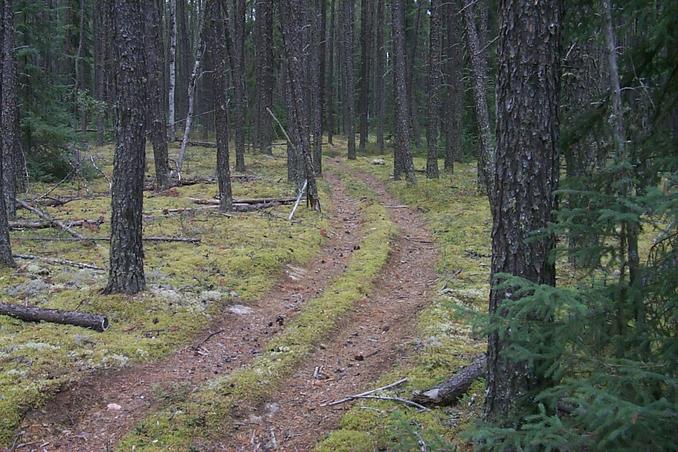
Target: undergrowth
x,y
460,222
238,259
206,413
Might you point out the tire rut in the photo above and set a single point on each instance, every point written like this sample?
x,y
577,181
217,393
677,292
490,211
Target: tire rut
x,y
365,345
79,417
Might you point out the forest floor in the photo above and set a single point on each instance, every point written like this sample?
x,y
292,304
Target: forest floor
x,y
378,288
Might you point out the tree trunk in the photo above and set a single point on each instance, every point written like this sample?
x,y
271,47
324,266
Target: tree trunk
x,y
238,74
35,314
434,77
99,18
184,56
315,76
9,113
126,274
478,56
401,148
411,65
365,35
292,14
348,94
526,176
172,82
154,103
199,54
450,391
379,89
330,75
264,74
215,23
453,80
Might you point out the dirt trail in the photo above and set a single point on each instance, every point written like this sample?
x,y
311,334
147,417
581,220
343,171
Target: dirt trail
x,y
365,344
79,418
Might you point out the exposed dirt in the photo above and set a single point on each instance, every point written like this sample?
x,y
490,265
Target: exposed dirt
x,y
81,417
364,345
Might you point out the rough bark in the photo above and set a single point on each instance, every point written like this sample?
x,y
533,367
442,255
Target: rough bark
x,y
215,22
450,391
478,57
314,77
435,74
33,314
6,259
348,94
401,149
330,74
238,74
453,81
172,66
292,25
9,113
126,273
264,74
411,65
526,175
184,56
380,65
365,40
154,89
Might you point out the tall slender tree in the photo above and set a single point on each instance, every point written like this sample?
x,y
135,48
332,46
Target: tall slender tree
x,y
126,272
154,89
314,76
9,111
330,73
238,74
380,68
434,80
172,67
264,74
401,149
526,176
348,94
365,46
452,115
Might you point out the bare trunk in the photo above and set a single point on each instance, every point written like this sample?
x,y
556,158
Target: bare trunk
x,y
453,78
478,56
172,84
348,99
379,91
9,113
365,34
126,273
264,74
330,75
434,77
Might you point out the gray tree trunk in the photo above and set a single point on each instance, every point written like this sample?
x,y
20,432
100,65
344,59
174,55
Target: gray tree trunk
x,y
348,94
126,273
365,36
9,113
264,74
172,79
435,75
238,74
330,74
453,79
526,176
381,63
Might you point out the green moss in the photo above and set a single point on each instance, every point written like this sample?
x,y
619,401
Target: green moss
x,y
460,223
208,410
239,258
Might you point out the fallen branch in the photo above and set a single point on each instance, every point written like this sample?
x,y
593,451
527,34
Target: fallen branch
x,y
276,201
366,393
25,224
44,216
34,314
448,392
394,399
107,239
209,336
59,261
204,144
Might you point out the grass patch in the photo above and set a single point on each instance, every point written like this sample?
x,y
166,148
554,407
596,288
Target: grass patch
x,y
181,426
239,258
460,222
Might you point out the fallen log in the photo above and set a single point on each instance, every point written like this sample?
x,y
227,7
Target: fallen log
x,y
59,261
204,144
255,201
107,239
448,392
55,202
34,314
26,224
46,217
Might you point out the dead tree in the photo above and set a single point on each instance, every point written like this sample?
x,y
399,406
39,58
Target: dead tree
x,y
126,273
34,314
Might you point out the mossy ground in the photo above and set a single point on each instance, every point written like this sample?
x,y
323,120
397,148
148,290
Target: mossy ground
x,y
239,258
460,222
185,425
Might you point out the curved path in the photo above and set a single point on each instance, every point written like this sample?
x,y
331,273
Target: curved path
x,y
365,345
79,418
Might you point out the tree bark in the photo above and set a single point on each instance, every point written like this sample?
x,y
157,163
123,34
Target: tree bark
x,y
348,94
126,273
99,20
411,65
453,79
450,391
34,314
172,79
526,176
154,89
434,78
401,149
292,14
238,74
381,63
365,35
215,22
264,74
330,75
478,56
314,78
184,56
9,113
